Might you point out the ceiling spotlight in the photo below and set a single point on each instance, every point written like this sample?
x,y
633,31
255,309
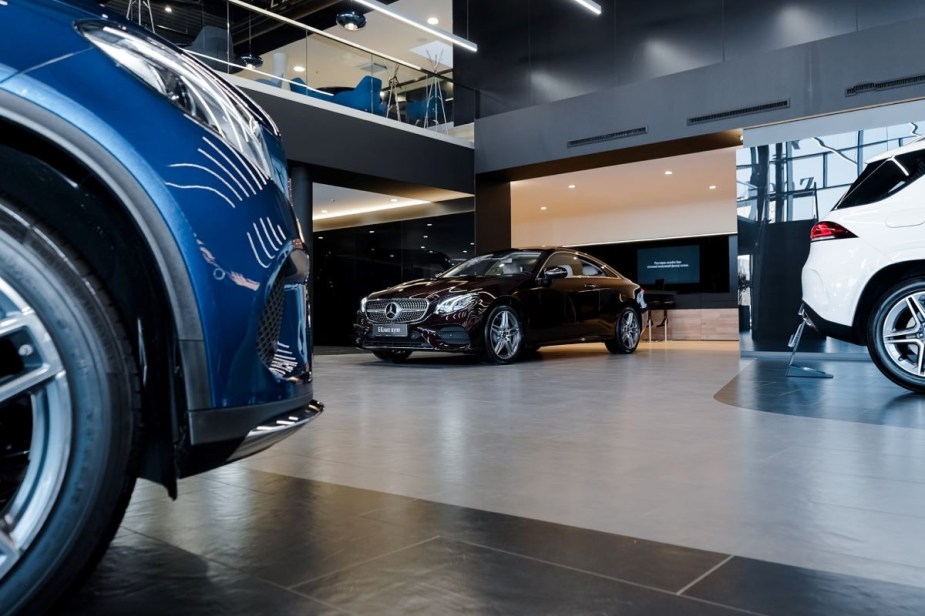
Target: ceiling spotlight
x,y
594,7
371,231
168,9
433,21
543,207
430,224
298,68
712,186
669,172
571,186
252,60
350,20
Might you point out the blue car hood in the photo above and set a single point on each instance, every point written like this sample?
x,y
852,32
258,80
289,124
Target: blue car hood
x,y
37,32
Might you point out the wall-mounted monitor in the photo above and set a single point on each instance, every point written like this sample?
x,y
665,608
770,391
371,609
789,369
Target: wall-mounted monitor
x,y
673,264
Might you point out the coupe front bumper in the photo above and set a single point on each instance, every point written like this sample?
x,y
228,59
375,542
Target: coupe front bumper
x,y
452,333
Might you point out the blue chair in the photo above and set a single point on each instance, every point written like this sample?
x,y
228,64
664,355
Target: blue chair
x,y
298,85
417,111
366,96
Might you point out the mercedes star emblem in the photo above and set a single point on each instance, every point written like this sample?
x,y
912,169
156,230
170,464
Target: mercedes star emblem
x,y
392,310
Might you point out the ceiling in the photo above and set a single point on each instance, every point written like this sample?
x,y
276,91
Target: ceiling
x,y
634,185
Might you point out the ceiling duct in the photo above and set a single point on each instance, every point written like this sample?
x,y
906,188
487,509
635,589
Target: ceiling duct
x,y
734,113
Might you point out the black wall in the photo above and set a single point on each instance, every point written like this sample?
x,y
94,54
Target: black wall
x,y
535,123
538,51
354,262
717,286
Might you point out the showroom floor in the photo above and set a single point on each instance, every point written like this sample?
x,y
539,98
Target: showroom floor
x,y
681,479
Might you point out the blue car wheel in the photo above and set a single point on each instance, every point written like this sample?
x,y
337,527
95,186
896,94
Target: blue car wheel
x,y
68,416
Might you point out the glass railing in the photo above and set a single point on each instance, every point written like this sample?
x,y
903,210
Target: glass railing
x,y
273,44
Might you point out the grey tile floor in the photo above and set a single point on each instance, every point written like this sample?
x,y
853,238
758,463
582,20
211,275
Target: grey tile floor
x,y
635,445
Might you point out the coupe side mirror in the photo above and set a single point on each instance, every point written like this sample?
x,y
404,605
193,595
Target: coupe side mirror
x,y
552,273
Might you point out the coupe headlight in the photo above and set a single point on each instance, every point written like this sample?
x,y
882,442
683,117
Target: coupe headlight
x,y
456,303
189,85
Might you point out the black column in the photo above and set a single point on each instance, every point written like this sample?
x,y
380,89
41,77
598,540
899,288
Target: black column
x,y
300,176
492,214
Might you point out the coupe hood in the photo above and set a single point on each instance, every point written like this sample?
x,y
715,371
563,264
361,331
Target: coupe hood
x,y
431,288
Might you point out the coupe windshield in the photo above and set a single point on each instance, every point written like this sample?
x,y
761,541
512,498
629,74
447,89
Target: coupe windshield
x,y
498,264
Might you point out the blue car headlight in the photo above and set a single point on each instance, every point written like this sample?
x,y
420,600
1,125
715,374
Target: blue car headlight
x,y
456,303
190,86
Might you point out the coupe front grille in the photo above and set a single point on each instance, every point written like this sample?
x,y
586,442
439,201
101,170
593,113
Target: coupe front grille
x,y
401,310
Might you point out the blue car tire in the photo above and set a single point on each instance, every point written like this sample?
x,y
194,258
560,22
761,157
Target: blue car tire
x,y
69,394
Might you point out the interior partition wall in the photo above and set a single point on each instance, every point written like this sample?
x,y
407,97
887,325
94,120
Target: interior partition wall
x,y
353,262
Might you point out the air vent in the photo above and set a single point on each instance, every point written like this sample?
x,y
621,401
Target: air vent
x,y
863,88
734,113
623,134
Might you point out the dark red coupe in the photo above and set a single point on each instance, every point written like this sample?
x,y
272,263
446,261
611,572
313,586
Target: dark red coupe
x,y
502,304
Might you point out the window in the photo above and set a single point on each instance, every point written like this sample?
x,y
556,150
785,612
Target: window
x,y
574,265
884,178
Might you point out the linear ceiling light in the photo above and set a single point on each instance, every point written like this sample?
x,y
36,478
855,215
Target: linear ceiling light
x,y
307,28
451,38
594,7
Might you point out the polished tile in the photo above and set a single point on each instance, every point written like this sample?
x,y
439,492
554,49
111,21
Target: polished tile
x,y
774,589
141,576
857,392
444,576
274,536
577,478
658,565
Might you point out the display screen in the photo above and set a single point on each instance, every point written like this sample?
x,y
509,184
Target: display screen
x,y
673,264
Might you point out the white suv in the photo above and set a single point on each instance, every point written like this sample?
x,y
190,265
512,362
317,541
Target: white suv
x,y
864,280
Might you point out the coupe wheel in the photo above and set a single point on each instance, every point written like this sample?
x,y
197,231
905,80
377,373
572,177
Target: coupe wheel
x,y
67,418
896,335
504,336
627,332
396,357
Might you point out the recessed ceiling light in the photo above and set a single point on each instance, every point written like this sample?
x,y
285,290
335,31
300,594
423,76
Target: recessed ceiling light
x,y
669,172
472,243
298,68
433,21
543,207
168,9
371,231
394,200
320,237
465,252
712,186
425,237
423,247
571,186
324,211
430,224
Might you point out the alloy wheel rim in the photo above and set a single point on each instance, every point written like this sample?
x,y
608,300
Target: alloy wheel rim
x,y
505,335
903,334
35,401
630,330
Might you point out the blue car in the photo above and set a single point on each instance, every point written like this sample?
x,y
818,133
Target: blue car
x,y
154,313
